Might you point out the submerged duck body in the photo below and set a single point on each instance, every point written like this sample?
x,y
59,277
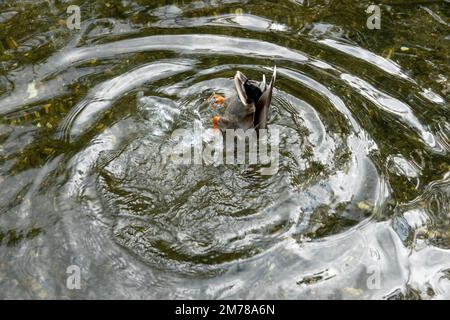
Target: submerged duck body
x,y
248,107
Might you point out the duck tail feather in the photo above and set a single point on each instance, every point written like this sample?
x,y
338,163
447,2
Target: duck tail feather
x,y
262,107
239,80
263,84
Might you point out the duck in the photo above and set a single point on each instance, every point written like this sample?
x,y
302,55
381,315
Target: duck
x,y
247,108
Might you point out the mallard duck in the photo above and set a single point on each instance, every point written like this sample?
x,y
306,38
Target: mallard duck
x,y
247,108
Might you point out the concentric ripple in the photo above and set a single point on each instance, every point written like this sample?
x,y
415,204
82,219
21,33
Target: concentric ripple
x,y
361,189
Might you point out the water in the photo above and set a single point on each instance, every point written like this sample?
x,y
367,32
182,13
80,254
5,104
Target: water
x,y
359,207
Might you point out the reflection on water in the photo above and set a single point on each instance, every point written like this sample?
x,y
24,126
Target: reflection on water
x,y
359,207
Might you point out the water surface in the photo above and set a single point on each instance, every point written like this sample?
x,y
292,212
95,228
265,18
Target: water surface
x,y
360,205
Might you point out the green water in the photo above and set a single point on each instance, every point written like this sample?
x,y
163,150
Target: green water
x,y
359,206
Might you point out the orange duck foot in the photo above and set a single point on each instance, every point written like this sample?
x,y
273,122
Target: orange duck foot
x,y
216,103
217,98
216,122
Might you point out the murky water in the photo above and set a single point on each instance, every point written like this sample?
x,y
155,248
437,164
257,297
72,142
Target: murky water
x,y
359,207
